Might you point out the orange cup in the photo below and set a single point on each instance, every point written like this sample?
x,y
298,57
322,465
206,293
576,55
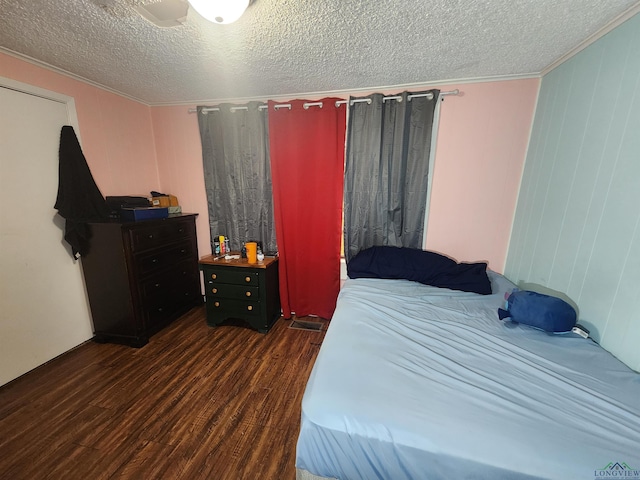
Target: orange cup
x,y
252,252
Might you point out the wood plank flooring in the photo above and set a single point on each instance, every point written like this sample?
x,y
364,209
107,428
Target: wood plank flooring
x,y
195,403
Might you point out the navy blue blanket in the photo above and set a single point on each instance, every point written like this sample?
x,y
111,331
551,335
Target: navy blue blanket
x,y
421,266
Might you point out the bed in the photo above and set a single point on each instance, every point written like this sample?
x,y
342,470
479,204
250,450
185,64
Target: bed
x,y
419,382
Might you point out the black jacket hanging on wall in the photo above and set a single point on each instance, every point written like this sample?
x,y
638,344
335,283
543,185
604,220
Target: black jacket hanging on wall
x,y
79,200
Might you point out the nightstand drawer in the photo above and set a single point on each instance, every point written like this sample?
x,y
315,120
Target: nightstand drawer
x,y
234,276
229,308
225,290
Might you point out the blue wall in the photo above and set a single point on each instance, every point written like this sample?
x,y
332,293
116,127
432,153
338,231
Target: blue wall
x,y
577,224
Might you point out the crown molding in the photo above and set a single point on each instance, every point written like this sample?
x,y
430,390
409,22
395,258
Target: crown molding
x,y
60,71
616,22
348,92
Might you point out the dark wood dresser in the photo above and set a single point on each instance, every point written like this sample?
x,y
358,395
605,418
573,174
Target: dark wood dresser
x,y
140,276
242,290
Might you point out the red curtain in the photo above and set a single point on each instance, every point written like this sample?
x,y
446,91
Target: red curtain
x,y
307,169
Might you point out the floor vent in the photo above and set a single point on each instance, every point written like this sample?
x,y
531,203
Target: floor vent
x,y
307,325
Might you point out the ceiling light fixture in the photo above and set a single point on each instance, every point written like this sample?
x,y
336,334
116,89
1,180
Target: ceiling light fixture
x,y
220,11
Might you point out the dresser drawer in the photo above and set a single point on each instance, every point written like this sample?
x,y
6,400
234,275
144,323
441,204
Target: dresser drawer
x,y
163,258
222,308
159,311
226,290
235,276
159,308
169,304
171,281
146,237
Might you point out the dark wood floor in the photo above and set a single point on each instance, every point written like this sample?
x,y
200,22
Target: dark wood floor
x,y
194,403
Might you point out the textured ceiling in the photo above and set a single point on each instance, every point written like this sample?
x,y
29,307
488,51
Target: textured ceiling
x,y
288,47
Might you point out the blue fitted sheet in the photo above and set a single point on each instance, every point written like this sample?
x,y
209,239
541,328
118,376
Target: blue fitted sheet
x,y
418,382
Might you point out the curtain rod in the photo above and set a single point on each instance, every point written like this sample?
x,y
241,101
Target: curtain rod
x,y
306,105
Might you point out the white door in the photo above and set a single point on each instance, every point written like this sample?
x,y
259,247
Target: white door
x,y
43,306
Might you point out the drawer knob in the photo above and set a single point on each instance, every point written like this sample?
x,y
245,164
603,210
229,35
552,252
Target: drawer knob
x,y
180,230
183,250
155,260
150,235
160,309
250,307
215,290
217,304
157,285
214,276
247,279
248,294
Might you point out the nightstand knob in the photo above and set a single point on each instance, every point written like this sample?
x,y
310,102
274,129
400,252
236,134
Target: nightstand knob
x,y
214,276
215,290
247,279
248,294
217,304
249,308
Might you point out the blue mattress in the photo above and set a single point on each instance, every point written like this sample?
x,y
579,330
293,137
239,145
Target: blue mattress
x,y
417,382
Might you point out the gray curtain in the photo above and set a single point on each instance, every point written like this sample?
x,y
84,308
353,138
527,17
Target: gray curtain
x,y
386,171
237,174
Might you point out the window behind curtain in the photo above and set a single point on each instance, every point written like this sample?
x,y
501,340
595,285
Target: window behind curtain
x,y
386,170
235,150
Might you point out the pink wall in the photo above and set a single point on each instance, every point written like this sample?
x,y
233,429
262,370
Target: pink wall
x,y
482,141
115,133
179,154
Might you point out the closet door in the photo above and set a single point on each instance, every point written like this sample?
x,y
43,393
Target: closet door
x,y
44,308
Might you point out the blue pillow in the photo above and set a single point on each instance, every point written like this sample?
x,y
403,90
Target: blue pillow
x,y
421,266
537,310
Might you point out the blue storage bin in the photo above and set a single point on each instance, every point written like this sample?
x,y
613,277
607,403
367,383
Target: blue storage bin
x,y
148,213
